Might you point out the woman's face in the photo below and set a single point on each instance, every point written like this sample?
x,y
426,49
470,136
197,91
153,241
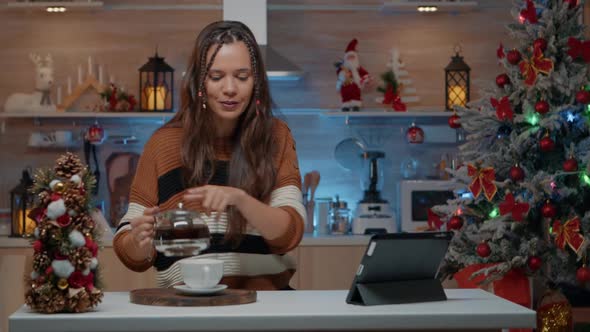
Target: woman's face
x,y
229,82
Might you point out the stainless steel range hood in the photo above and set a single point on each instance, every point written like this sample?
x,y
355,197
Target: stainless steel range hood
x,y
253,13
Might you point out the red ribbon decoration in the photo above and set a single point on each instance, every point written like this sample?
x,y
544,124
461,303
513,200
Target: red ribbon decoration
x,y
503,108
483,178
519,210
530,12
537,64
569,234
578,48
514,287
434,222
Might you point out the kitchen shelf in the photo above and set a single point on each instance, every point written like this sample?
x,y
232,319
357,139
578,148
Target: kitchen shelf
x,y
70,5
43,115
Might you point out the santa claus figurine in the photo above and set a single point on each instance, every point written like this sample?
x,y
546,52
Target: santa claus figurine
x,y
351,79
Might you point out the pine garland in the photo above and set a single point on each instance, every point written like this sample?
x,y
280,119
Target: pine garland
x,y
64,277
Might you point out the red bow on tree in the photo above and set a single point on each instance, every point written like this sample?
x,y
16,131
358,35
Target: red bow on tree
x,y
537,64
483,178
503,108
500,51
578,48
569,233
434,222
530,12
519,210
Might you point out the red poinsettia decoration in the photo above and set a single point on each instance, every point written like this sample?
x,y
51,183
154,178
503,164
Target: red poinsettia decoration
x,y
483,180
578,48
529,13
518,210
92,246
393,99
569,234
78,280
535,65
434,222
503,108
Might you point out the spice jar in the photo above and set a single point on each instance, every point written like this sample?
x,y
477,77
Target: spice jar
x,y
340,219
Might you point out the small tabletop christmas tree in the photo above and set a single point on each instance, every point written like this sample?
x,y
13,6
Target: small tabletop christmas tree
x,y
527,158
64,277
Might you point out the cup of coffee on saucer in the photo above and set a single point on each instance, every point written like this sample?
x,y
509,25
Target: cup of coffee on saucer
x,y
201,276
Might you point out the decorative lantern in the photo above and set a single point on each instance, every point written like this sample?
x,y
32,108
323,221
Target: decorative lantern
x,y
456,81
21,202
95,134
156,86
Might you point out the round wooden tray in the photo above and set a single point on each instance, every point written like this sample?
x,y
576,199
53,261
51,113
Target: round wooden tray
x,y
172,297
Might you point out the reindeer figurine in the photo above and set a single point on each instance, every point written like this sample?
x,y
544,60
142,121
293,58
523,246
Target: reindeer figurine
x,y
40,100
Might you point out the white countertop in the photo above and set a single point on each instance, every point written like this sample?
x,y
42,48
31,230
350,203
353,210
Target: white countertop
x,y
287,310
308,240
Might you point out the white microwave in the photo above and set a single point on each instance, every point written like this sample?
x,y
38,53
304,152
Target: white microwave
x,y
417,196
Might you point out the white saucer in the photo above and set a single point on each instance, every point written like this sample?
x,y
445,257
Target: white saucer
x,y
200,291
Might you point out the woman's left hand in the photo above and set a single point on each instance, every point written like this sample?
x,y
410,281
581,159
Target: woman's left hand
x,y
215,198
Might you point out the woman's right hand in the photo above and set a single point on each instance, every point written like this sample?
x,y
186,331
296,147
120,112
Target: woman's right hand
x,y
143,227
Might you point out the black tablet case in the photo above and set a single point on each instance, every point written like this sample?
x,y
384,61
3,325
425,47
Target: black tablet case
x,y
400,268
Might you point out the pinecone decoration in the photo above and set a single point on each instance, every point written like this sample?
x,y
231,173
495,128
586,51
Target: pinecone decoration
x,y
44,198
46,299
41,262
68,165
80,258
74,201
79,302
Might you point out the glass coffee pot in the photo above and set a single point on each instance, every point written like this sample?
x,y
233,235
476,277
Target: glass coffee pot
x,y
181,232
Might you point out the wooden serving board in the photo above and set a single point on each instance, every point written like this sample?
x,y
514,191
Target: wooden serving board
x,y
172,297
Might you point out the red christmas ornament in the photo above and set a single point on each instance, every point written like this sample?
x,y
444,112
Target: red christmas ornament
x,y
546,144
454,121
570,165
502,80
542,107
455,223
415,135
516,173
572,3
548,210
583,97
95,134
540,43
535,263
37,246
583,274
513,57
483,250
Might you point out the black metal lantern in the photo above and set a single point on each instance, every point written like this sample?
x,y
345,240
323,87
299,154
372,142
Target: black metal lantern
x,y
21,203
456,82
156,86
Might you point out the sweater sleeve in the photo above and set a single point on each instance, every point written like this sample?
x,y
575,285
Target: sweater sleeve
x,y
286,194
143,194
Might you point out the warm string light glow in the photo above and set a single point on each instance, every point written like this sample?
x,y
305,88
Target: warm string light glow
x,y
427,9
56,9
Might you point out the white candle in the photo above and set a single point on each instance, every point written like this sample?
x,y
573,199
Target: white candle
x,y
100,74
112,79
59,95
79,74
122,88
90,65
69,85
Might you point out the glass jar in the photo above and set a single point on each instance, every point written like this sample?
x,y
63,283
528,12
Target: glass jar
x,y
340,218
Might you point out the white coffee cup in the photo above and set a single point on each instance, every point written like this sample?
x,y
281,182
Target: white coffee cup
x,y
62,136
201,273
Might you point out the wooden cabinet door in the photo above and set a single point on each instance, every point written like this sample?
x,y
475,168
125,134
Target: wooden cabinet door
x,y
328,267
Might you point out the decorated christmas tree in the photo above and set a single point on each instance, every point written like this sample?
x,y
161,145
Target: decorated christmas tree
x,y
527,160
64,277
391,87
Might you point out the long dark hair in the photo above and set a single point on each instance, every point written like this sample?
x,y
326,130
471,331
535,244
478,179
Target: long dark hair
x,y
251,166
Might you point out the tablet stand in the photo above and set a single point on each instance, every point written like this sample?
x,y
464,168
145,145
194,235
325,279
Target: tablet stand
x,y
397,292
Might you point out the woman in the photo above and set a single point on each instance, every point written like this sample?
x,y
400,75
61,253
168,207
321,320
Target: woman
x,y
224,154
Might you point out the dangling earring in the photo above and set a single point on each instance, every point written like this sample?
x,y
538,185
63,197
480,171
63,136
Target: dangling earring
x,y
201,96
257,104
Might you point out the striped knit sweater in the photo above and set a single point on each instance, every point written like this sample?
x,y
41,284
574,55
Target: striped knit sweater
x,y
257,263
